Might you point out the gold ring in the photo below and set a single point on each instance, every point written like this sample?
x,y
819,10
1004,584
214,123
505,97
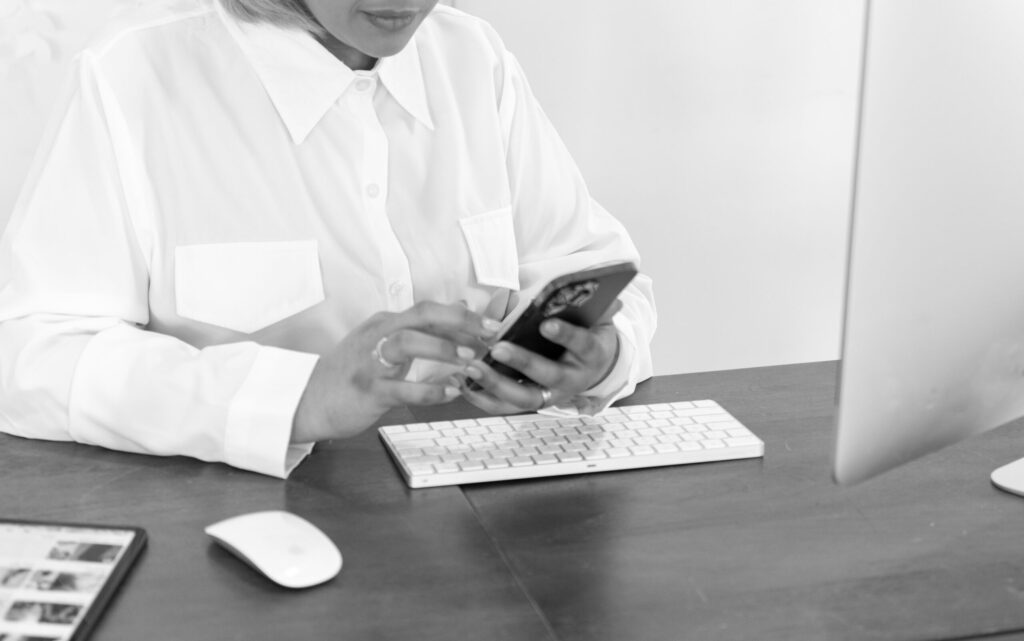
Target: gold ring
x,y
378,353
545,397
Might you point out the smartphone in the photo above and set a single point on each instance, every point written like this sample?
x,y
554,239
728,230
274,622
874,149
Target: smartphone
x,y
580,298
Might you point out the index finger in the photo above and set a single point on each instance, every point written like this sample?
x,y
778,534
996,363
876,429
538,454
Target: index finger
x,y
452,319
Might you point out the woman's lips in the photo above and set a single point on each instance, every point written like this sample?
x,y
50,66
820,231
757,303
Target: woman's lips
x,y
390,19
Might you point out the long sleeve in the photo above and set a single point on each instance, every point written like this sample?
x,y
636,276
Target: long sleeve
x,y
75,360
560,228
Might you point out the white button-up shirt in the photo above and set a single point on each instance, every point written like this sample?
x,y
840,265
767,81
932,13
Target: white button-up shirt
x,y
219,202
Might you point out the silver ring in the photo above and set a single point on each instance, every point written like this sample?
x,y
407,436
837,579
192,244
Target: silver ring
x,y
378,353
545,397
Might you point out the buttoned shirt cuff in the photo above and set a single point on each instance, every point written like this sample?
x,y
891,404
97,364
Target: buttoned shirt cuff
x,y
615,385
259,424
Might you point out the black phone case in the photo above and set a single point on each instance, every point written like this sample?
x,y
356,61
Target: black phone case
x,y
580,298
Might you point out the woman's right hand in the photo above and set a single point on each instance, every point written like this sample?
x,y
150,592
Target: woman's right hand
x,y
362,377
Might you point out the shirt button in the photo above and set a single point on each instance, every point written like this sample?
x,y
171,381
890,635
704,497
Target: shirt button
x,y
395,288
363,84
373,190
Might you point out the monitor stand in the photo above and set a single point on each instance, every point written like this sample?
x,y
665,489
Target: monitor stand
x,y
1010,477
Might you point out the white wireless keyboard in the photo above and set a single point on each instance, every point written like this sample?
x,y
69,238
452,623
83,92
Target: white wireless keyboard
x,y
501,448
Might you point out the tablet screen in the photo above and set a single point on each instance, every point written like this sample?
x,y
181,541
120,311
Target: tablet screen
x,y
56,578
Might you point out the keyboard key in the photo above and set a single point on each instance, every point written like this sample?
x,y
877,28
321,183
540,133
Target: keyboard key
x,y
710,418
414,445
724,425
699,411
415,436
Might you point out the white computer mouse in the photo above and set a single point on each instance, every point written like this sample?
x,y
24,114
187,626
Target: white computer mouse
x,y
284,547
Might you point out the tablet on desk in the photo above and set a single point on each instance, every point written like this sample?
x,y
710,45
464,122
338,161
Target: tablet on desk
x,y
56,578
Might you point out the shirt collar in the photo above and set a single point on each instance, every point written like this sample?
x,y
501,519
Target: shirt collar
x,y
303,79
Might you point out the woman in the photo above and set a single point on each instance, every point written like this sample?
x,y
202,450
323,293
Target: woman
x,y
261,223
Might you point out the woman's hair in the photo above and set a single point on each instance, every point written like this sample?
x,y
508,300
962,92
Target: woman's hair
x,y
286,13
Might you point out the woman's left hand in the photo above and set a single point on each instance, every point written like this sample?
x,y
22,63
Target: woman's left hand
x,y
589,357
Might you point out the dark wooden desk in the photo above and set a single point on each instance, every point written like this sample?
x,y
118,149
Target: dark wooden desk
x,y
757,549
770,549
417,565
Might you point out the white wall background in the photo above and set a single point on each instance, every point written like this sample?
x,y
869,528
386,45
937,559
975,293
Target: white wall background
x,y
719,131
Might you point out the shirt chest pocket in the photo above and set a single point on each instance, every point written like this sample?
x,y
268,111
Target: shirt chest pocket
x,y
491,240
246,286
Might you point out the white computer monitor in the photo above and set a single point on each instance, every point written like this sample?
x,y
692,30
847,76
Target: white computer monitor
x,y
933,339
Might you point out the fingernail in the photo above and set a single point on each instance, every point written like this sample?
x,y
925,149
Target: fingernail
x,y
451,392
550,328
473,372
491,325
465,353
500,352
